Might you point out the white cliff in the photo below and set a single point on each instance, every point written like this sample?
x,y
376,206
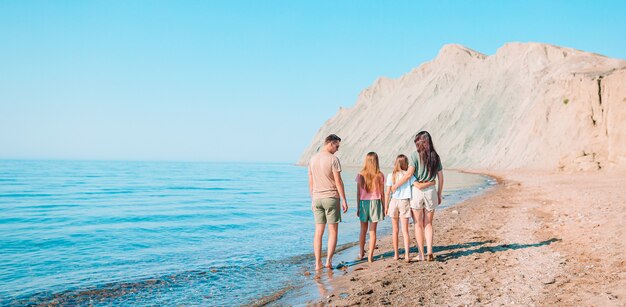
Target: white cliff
x,y
530,105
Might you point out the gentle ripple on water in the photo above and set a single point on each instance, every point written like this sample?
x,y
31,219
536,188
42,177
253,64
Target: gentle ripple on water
x,y
147,233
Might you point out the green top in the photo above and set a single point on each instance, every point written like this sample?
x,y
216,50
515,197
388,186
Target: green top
x,y
420,171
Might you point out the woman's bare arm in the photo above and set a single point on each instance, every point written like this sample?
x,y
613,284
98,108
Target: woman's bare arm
x,y
424,184
404,179
440,187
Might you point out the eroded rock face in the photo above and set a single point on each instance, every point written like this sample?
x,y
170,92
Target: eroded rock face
x,y
529,105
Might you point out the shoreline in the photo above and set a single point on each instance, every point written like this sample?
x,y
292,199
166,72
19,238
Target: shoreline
x,y
343,259
535,238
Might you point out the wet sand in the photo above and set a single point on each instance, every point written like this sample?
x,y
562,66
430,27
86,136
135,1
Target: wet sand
x,y
535,239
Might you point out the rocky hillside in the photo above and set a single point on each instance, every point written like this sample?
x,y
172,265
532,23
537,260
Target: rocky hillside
x,y
530,105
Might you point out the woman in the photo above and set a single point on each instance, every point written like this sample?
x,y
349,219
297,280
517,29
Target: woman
x,y
426,166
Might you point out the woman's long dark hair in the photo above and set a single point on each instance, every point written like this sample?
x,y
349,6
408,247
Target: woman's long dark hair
x,y
427,153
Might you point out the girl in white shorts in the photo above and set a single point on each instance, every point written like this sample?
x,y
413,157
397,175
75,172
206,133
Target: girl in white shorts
x,y
399,208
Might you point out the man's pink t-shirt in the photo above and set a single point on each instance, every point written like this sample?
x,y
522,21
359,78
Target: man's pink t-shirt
x,y
322,166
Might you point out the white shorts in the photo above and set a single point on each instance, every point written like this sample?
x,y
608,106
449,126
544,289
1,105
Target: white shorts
x,y
399,208
424,199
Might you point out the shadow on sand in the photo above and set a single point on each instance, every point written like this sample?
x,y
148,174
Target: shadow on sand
x,y
459,253
492,249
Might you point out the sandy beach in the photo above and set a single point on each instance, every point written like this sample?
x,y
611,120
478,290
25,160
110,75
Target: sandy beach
x,y
537,238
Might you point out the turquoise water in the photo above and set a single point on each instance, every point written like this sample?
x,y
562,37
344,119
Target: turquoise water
x,y
147,233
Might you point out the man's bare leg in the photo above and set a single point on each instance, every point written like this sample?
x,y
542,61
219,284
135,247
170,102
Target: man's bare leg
x,y
317,245
370,254
332,244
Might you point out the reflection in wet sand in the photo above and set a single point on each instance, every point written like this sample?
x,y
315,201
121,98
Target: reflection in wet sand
x,y
323,280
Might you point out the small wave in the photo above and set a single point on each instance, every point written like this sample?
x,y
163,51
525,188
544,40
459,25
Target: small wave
x,y
107,192
49,206
18,195
252,193
215,180
108,292
200,188
302,259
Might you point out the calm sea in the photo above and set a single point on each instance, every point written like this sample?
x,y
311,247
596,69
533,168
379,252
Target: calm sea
x,y
152,233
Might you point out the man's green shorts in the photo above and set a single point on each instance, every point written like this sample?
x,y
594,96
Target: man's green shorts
x,y
326,210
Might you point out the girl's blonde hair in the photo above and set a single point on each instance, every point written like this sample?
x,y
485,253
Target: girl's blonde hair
x,y
401,164
370,172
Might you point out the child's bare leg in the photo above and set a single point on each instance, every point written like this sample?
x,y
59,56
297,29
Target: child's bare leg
x,y
317,245
370,256
332,243
405,237
362,240
394,224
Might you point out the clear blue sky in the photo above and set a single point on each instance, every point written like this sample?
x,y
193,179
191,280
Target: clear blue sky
x,y
237,80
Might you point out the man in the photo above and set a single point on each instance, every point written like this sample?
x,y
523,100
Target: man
x,y
327,194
